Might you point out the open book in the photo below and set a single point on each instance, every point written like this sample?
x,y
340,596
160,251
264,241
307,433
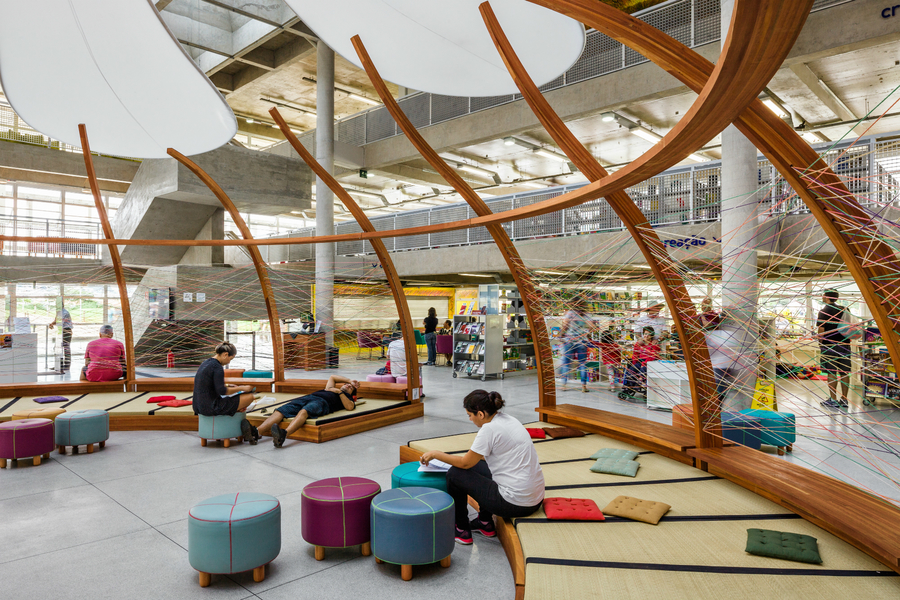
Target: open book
x,y
435,466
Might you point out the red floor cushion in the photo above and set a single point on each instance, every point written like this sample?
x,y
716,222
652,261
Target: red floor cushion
x,y
536,433
175,403
572,509
159,399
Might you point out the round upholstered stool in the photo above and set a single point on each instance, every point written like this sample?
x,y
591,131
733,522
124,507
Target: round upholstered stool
x,y
777,429
408,475
412,526
220,427
82,428
48,412
335,513
741,429
26,438
380,378
234,533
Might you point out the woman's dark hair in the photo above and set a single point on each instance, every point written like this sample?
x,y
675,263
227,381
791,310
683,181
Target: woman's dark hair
x,y
482,400
649,330
226,348
432,313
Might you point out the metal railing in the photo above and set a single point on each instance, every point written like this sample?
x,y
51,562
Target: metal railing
x,y
28,226
680,196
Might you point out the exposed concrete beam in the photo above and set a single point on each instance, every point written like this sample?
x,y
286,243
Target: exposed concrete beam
x,y
825,95
259,57
411,175
244,13
260,65
162,4
24,162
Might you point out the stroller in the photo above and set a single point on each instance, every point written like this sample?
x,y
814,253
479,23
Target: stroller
x,y
635,383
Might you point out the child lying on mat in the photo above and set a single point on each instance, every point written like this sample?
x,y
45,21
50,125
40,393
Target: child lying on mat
x,y
509,481
315,405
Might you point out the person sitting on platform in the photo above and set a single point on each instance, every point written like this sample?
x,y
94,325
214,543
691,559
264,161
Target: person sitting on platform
x,y
104,358
508,482
396,355
315,405
213,397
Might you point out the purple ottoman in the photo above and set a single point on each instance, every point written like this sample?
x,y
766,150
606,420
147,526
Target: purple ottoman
x,y
335,513
380,378
26,438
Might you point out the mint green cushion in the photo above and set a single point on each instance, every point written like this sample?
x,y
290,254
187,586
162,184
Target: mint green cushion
x,y
778,544
616,466
615,453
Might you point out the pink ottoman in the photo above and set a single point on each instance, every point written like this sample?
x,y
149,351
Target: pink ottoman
x,y
380,378
335,513
26,438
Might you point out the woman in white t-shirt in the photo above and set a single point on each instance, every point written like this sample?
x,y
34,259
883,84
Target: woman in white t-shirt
x,y
510,485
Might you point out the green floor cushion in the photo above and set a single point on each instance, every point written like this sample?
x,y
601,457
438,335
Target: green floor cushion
x,y
780,544
616,466
635,509
615,453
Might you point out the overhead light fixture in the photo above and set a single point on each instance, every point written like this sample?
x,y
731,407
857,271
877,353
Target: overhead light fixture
x,y
361,98
551,272
509,141
551,154
476,275
287,104
363,194
250,121
697,158
608,117
538,185
775,107
477,171
645,134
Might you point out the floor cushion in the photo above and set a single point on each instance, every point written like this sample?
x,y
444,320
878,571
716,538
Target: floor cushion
x,y
536,433
780,544
645,511
615,453
47,399
616,466
175,403
563,432
158,399
572,509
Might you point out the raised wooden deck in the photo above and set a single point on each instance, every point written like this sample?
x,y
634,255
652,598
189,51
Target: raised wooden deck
x,y
665,440
186,384
53,388
861,519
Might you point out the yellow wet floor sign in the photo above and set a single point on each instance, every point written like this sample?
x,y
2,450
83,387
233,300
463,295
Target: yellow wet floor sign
x,y
764,396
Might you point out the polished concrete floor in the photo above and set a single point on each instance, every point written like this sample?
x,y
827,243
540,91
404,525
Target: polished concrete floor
x,y
113,524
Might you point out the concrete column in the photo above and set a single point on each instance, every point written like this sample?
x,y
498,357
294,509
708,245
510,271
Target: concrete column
x,y
324,196
739,229
217,232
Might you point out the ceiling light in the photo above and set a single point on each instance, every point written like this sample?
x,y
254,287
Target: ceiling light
x,y
363,194
287,104
476,275
551,154
250,121
538,185
775,108
551,272
475,170
509,141
697,158
608,117
645,134
362,99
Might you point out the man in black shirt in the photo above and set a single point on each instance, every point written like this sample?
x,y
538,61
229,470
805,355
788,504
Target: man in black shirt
x,y
315,405
834,349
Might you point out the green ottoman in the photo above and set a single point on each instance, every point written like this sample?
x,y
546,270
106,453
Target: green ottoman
x,y
408,475
81,428
234,533
220,427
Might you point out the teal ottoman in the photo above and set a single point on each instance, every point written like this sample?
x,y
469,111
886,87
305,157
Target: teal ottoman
x,y
413,526
234,533
220,427
408,475
777,429
81,428
258,375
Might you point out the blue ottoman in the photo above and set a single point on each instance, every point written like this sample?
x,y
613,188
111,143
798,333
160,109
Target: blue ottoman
x,y
408,475
412,526
81,427
741,429
258,375
220,427
777,429
234,533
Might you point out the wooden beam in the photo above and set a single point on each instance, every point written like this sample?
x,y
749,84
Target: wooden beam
x,y
113,253
255,255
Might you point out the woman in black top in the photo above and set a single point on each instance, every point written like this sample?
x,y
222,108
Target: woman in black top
x,y
213,397
431,323
834,349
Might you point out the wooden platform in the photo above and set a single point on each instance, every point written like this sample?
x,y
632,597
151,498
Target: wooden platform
x,y
859,518
186,384
12,390
665,440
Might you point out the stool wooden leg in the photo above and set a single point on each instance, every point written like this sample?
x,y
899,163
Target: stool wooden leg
x,y
378,561
790,448
47,455
205,579
90,448
203,442
227,443
37,460
259,573
780,450
445,562
366,548
320,553
405,572
61,449
103,444
2,463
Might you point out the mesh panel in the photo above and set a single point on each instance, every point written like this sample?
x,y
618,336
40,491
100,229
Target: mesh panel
x,y
484,102
540,226
448,215
675,194
385,223
707,194
852,166
673,20
308,141
379,125
887,171
707,21
412,219
444,108
502,206
417,109
590,217
646,196
348,247
477,235
601,55
352,131
552,85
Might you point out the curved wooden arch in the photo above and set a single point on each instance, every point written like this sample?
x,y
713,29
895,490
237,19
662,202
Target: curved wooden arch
x,y
696,352
406,324
546,379
261,272
124,300
872,262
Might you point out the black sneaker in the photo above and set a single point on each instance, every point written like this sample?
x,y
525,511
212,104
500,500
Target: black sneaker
x,y
485,528
844,404
830,404
463,537
254,434
278,435
247,432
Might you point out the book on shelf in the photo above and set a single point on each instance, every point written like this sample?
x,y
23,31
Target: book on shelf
x,y
471,308
470,349
480,370
481,350
462,308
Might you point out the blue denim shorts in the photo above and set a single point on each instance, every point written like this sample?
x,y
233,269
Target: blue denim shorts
x,y
315,407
